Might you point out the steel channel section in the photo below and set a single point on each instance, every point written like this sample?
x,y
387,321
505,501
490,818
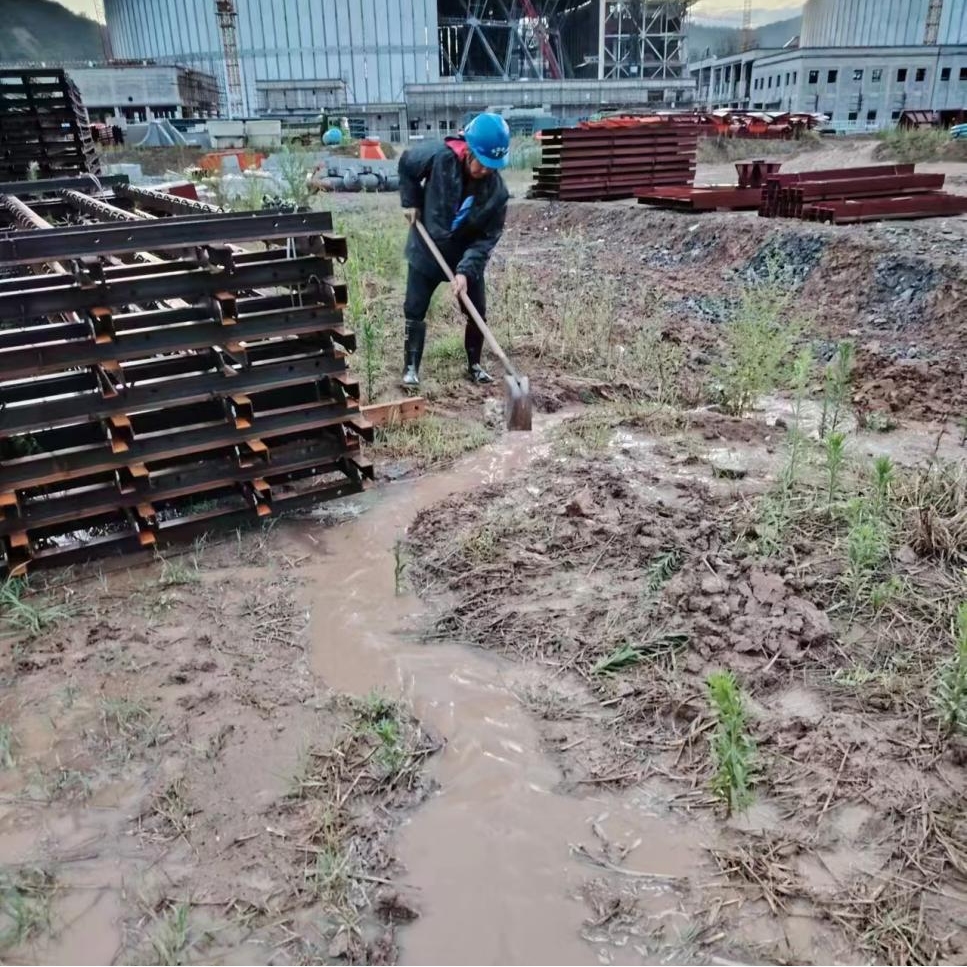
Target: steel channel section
x,y
190,284
179,530
97,459
162,202
55,244
169,485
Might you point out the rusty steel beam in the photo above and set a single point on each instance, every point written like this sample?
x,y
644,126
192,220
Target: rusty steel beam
x,y
159,201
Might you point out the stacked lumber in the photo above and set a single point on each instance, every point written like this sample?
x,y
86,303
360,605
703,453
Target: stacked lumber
x,y
612,160
43,122
845,196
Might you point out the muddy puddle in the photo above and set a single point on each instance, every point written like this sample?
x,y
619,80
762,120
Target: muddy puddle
x,y
488,858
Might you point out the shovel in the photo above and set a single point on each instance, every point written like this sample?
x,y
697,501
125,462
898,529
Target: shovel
x,y
517,395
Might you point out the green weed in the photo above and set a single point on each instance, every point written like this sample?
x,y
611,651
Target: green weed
x,y
628,655
884,476
835,457
836,388
733,749
951,689
294,174
170,939
758,340
178,572
131,722
7,760
662,568
432,439
27,614
867,547
25,895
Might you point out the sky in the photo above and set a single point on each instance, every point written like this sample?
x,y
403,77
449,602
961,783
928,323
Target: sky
x,y
719,11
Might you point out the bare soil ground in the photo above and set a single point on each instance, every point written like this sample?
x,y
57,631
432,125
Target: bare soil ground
x,y
177,784
178,787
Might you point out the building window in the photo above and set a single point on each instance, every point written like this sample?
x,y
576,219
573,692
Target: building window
x,y
795,77
831,77
814,77
901,75
963,73
853,115
770,80
921,73
858,74
787,77
895,115
877,75
945,74
871,116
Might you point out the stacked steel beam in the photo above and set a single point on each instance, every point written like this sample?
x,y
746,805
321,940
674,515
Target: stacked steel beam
x,y
849,195
611,160
43,122
161,374
746,196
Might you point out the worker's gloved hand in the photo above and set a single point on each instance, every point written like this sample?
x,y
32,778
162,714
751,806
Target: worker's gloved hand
x,y
459,286
412,215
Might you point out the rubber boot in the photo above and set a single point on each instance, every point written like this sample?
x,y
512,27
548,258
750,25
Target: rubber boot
x,y
415,336
477,374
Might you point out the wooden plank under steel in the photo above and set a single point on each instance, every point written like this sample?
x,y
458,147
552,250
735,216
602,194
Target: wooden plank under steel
x,y
396,411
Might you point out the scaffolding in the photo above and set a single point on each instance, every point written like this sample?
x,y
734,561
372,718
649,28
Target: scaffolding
x,y
642,39
514,39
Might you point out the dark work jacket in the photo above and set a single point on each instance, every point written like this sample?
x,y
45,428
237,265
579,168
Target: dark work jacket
x,y
432,180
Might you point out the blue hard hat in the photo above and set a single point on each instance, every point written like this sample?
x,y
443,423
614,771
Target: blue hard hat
x,y
489,139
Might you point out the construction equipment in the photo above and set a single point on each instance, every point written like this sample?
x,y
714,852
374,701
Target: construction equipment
x,y
517,404
227,17
747,39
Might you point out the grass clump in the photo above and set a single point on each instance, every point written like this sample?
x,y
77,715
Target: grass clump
x,y
431,440
758,341
912,144
951,690
23,613
733,749
25,895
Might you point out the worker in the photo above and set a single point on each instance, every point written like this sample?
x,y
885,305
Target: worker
x,y
455,188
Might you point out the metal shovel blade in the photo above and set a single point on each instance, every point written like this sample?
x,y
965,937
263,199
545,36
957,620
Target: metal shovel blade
x,y
517,403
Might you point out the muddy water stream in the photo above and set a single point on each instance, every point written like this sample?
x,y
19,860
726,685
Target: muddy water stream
x,y
488,854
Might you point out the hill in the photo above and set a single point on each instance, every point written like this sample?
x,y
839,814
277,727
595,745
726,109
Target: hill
x,y
728,40
41,30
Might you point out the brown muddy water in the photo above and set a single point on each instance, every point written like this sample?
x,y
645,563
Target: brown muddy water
x,y
488,857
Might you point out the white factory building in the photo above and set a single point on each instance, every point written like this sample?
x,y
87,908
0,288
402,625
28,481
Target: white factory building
x,y
860,62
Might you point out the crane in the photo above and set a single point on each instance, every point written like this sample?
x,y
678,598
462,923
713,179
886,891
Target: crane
x,y
227,17
747,25
541,33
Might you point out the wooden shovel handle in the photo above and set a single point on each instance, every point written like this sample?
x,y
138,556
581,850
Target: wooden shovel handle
x,y
470,307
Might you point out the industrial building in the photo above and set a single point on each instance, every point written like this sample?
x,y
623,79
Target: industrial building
x,y
860,62
141,92
413,68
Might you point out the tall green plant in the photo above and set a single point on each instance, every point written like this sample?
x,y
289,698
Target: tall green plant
x,y
294,174
836,389
733,749
951,695
759,339
835,458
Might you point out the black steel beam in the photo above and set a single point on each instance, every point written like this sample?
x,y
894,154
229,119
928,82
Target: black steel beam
x,y
82,462
43,186
178,482
46,414
178,530
22,363
55,244
65,294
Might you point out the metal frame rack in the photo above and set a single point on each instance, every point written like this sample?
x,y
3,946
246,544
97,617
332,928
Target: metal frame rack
x,y
164,368
43,122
